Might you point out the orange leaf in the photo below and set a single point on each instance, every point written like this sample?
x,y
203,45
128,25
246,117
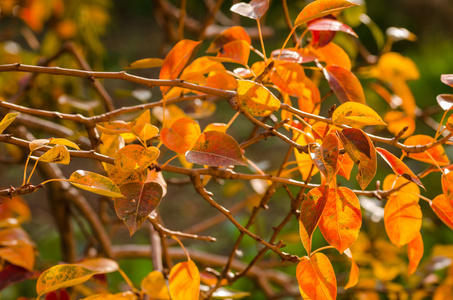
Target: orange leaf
x,y
95,183
341,221
231,34
17,248
114,127
398,166
289,77
346,164
354,273
402,90
310,213
397,121
402,219
325,156
235,52
253,10
404,186
321,8
304,162
344,84
181,135
361,150
139,200
256,98
415,253
57,154
154,286
356,114
443,209
447,185
215,148
184,281
316,278
437,153
332,54
16,208
176,60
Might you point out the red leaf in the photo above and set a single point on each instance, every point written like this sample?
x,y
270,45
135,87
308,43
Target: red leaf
x,y
344,83
140,200
310,213
320,8
176,60
330,25
341,221
316,278
415,253
215,148
398,166
12,274
361,150
253,10
229,35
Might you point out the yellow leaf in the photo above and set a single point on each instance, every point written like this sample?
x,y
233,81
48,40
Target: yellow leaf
x,y
256,99
146,63
58,154
356,114
95,183
184,281
7,120
155,287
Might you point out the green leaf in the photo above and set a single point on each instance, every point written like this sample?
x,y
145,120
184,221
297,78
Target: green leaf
x,y
95,183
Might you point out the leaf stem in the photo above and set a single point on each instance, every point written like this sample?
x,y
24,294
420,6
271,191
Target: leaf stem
x,y
54,179
261,39
182,246
321,249
128,281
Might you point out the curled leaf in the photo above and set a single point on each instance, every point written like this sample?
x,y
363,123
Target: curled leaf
x,y
231,34
356,114
320,8
344,84
253,10
95,183
58,154
7,120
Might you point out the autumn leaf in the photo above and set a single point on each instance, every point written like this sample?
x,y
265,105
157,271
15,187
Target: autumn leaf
x,y
354,273
289,77
228,35
345,166
215,148
398,166
344,84
12,274
304,162
415,253
118,296
114,127
325,156
253,10
341,221
356,114
37,144
184,281
65,142
447,79
332,54
311,211
320,8
443,208
146,63
154,286
176,60
7,120
95,183
17,248
316,278
14,208
398,121
57,154
330,25
181,135
139,200
361,150
234,52
436,153
256,99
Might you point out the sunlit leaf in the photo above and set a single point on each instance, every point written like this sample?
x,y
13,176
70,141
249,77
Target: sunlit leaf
x,y
256,99
310,213
228,35
65,142
16,208
215,148
222,127
235,52
356,114
95,183
443,209
221,80
146,63
253,10
393,67
316,278
325,156
289,77
445,101
176,60
181,135
354,273
332,54
447,79
415,253
360,149
155,176
172,113
341,221
327,26
304,162
7,120
402,218
344,84
345,166
401,185
58,154
397,121
154,286
436,153
398,166
184,281
139,200
321,8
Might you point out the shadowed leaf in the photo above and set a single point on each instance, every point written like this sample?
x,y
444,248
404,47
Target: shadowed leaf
x,y
256,99
11,274
139,200
7,120
59,154
320,8
95,183
398,166
361,150
325,156
37,144
341,221
181,135
184,281
146,63
344,84
16,248
215,148
231,34
345,166
356,114
253,10
415,253
316,278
